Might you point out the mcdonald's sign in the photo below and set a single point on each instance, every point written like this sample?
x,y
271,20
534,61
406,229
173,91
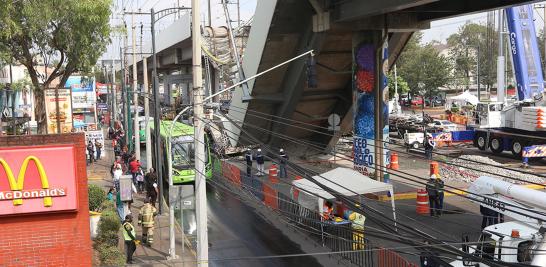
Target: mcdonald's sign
x,y
37,179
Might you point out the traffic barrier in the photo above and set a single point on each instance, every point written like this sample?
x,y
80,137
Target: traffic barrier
x,y
389,258
434,168
232,173
295,190
394,161
422,202
270,196
273,174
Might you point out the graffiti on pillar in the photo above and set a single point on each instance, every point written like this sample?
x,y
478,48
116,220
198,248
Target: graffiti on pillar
x,y
364,121
385,104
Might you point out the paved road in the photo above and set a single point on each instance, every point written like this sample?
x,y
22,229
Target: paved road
x,y
236,231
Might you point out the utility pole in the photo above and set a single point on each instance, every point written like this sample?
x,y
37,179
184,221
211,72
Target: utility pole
x,y
210,13
136,131
146,106
123,94
500,60
114,93
200,182
13,102
157,116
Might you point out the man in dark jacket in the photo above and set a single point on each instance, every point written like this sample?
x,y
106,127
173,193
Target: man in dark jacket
x,y
150,183
248,159
90,151
282,165
433,198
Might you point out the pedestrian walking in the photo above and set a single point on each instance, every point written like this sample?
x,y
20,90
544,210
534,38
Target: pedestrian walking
x,y
116,175
282,165
134,167
260,162
433,198
98,147
129,235
150,182
146,219
248,158
90,151
140,181
119,206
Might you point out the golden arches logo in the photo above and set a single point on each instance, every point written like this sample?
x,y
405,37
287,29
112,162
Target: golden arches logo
x,y
18,184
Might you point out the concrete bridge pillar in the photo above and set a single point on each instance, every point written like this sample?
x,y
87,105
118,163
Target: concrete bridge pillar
x,y
370,99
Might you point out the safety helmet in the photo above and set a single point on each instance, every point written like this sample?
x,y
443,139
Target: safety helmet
x,y
259,150
281,150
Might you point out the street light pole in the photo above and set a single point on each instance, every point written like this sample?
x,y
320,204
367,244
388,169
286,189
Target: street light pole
x,y
157,113
200,182
136,131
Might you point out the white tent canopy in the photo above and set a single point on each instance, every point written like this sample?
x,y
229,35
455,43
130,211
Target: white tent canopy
x,y
462,99
343,180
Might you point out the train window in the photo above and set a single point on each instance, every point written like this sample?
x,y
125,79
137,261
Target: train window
x,y
524,251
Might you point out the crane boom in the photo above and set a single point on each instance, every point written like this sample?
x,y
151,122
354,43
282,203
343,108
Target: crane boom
x,y
515,201
525,52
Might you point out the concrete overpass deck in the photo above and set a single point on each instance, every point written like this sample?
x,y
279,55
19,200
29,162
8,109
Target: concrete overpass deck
x,y
283,29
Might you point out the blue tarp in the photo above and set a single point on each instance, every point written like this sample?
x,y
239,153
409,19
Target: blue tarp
x,y
458,136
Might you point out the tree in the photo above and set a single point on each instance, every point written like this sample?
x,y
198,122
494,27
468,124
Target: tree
x,y
73,32
423,64
403,86
473,40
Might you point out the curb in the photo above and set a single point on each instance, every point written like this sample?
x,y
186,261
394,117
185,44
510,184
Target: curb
x,y
413,195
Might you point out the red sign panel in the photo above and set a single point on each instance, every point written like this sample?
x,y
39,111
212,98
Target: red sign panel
x,y
37,179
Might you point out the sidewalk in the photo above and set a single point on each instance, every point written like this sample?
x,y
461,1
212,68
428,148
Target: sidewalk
x,y
98,173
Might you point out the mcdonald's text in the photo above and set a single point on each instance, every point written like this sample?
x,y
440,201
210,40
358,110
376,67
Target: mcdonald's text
x,y
35,193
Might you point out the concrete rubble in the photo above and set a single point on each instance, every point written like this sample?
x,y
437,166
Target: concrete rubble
x,y
467,168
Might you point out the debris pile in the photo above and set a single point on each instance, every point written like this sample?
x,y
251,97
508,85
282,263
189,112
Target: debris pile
x,y
468,168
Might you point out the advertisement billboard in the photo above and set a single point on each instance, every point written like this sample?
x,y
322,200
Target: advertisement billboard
x,y
64,118
84,101
37,180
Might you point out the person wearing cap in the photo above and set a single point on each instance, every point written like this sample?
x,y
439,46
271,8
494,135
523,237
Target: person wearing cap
x,y
129,236
433,197
248,158
429,145
260,162
282,165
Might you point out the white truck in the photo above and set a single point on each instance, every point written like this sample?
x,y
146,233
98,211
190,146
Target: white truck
x,y
514,124
521,240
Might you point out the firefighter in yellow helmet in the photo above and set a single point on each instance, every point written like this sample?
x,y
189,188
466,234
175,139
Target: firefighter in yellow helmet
x,y
146,219
357,223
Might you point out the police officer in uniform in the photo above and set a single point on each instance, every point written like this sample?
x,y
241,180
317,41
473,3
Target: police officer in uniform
x,y
129,235
248,158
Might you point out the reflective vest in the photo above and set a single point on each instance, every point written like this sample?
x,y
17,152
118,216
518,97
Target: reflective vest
x,y
147,215
357,220
128,227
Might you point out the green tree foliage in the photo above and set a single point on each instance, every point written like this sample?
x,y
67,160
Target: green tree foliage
x,y
423,64
464,46
403,86
73,32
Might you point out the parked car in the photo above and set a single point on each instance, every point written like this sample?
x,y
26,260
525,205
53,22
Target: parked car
x,y
435,101
417,101
445,125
